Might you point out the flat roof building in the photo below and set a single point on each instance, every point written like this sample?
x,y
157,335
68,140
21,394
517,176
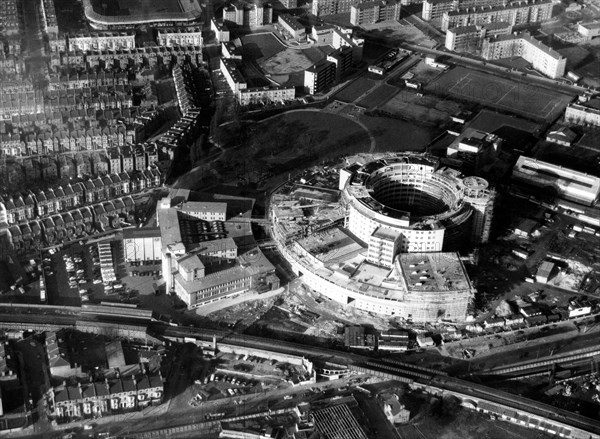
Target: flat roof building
x,y
566,183
374,12
208,253
542,58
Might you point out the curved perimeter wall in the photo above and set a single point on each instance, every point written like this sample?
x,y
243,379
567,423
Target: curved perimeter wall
x,y
411,198
100,21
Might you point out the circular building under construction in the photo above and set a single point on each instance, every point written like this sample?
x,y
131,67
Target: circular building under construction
x,y
387,241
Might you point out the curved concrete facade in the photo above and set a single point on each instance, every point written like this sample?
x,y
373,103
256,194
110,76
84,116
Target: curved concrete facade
x,y
386,241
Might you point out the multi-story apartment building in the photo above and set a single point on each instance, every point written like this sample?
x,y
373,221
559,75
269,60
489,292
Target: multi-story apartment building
x,y
292,25
245,95
374,11
542,58
49,23
248,14
319,77
342,59
470,38
233,76
179,37
589,30
533,11
266,94
221,31
330,7
433,10
102,41
587,113
230,51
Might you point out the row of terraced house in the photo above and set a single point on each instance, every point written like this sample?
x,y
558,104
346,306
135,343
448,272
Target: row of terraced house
x,y
143,57
23,207
82,118
12,104
83,80
109,397
60,141
57,217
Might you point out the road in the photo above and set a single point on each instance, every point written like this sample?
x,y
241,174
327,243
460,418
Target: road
x,y
324,354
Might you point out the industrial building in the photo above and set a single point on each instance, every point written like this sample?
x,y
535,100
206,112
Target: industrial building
x,y
208,252
374,12
542,58
565,183
142,245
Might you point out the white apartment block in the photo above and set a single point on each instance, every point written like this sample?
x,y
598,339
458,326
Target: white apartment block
x,y
221,31
534,11
584,114
542,58
266,94
102,41
180,37
470,38
374,12
232,75
589,30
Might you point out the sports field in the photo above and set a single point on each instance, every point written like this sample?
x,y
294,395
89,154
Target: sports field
x,y
355,90
505,94
378,96
137,7
426,109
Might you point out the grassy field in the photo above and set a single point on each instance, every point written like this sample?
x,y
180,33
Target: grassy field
x,y
505,94
378,96
355,89
427,109
291,141
398,135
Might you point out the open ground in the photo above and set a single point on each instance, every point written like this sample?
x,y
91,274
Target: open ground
x,y
517,97
355,89
424,108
